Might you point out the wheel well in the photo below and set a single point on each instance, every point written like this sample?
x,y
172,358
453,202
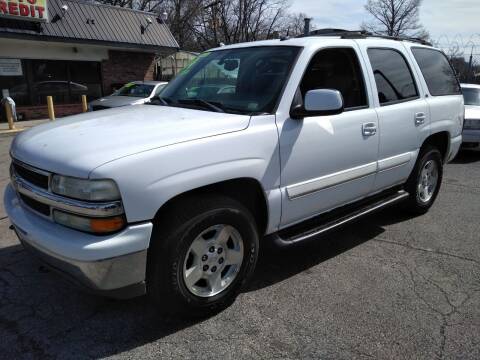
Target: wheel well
x,y
247,191
440,140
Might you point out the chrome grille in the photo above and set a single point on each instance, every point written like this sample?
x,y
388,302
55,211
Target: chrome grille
x,y
37,178
32,185
32,175
43,209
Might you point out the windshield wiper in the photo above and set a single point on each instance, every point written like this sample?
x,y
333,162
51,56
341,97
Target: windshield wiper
x,y
210,105
217,107
162,100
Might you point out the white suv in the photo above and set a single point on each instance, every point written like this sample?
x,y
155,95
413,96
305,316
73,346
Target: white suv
x,y
471,127
277,140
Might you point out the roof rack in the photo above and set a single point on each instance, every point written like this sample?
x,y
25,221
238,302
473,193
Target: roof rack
x,y
362,34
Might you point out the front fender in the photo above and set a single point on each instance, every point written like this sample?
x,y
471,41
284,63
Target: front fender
x,y
148,180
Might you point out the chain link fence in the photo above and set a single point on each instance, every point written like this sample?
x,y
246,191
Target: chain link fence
x,y
464,53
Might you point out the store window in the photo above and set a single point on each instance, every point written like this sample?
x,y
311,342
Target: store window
x,y
65,81
50,78
13,81
85,80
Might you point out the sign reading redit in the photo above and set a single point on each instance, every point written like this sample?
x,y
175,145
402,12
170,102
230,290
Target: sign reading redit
x,y
29,10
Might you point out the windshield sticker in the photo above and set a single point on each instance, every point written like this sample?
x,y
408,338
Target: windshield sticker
x,y
129,85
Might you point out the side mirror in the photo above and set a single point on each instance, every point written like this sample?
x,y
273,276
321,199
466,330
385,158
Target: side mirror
x,y
317,103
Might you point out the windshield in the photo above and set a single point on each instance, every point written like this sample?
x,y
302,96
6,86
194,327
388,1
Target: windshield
x,y
134,90
471,96
242,80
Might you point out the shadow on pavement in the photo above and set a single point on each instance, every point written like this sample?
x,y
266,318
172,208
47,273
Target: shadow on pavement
x,y
466,157
43,315
276,265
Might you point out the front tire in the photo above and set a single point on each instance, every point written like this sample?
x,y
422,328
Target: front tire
x,y
425,180
202,253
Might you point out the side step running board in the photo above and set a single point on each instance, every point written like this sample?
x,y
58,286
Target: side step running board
x,y
336,218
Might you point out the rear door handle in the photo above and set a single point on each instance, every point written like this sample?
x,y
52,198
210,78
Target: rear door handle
x,y
420,118
369,129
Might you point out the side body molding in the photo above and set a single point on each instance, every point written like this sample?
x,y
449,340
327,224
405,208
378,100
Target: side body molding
x,y
330,180
301,189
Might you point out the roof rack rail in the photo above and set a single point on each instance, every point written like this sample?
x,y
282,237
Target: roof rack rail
x,y
362,34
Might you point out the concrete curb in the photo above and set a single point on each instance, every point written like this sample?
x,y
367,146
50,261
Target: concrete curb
x,y
11,132
21,126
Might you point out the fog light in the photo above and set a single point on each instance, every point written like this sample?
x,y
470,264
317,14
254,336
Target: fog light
x,y
91,225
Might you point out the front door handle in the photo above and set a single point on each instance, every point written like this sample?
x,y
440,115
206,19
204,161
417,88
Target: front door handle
x,y
369,129
420,118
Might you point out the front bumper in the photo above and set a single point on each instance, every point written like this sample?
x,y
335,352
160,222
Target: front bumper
x,y
112,265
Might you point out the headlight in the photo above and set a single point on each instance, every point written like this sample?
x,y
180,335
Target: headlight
x,y
91,225
90,190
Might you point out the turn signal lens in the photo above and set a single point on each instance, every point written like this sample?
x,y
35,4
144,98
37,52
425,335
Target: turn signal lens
x,y
91,225
107,225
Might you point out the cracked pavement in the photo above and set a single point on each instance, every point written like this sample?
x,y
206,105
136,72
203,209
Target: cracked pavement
x,y
389,286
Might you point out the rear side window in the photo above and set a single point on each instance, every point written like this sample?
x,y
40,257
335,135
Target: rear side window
x,y
393,76
437,71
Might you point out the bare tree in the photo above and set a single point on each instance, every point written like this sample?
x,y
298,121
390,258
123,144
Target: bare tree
x,y
395,18
202,24
180,15
145,5
294,24
233,21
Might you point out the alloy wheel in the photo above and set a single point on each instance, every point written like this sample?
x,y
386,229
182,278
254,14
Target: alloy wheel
x,y
427,182
213,260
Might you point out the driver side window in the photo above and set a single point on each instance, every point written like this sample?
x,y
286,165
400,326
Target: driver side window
x,y
338,69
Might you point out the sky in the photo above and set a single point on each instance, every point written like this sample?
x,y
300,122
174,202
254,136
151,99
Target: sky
x,y
446,20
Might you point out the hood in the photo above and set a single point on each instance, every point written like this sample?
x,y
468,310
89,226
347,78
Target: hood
x,y
116,101
472,112
78,144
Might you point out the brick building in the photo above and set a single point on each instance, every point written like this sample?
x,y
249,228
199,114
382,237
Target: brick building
x,y
73,48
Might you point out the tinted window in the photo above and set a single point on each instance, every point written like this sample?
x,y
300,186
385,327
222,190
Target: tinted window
x,y
471,96
437,71
337,69
392,75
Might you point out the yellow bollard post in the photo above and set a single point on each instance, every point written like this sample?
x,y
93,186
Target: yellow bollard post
x,y
8,111
84,103
51,111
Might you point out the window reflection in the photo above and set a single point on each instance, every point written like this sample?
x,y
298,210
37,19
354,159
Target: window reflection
x,y
65,81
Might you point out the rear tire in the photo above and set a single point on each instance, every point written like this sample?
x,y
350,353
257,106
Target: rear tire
x,y
425,180
201,254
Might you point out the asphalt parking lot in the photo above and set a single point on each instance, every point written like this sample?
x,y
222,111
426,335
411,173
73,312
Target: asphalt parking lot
x,y
389,286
